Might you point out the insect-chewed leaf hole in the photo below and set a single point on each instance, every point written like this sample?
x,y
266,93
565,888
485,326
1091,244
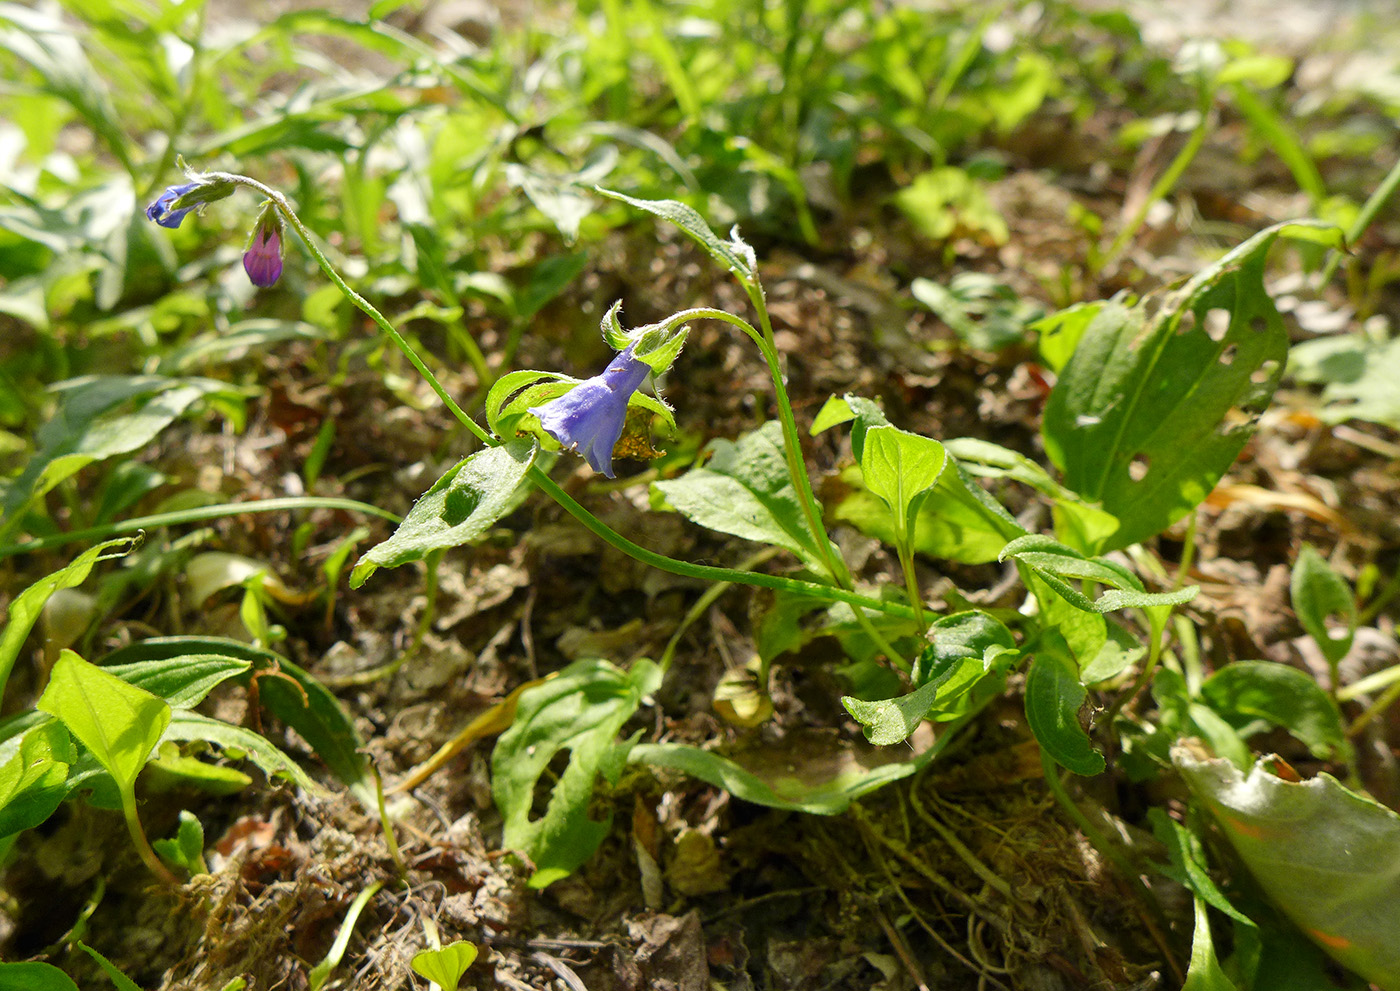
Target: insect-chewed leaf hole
x,y
1137,468
1217,323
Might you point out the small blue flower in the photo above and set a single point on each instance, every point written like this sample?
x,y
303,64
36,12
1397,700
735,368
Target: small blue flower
x,y
263,258
160,211
588,419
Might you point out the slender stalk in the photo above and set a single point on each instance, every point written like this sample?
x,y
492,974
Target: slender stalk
x,y
1372,206
802,482
1164,183
911,584
845,593
138,838
193,516
792,443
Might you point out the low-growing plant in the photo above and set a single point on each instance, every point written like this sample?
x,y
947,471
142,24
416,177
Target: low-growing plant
x,y
1155,399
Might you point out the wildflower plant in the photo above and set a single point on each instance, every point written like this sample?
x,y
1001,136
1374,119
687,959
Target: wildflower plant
x,y
1139,446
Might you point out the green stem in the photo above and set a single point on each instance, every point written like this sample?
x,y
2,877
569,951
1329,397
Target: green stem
x,y
707,599
138,838
707,572
193,516
1373,206
1164,183
802,482
591,522
911,583
363,304
792,443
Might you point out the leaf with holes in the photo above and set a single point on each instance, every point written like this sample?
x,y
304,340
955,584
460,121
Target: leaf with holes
x,y
579,712
460,507
1159,398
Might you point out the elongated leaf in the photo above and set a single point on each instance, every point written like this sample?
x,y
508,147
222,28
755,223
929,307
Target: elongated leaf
x,y
119,724
1204,972
1248,693
122,982
33,772
581,711
1328,857
745,490
733,254
1319,593
88,428
322,723
1152,409
27,606
459,508
240,741
1053,698
1056,565
831,796
183,682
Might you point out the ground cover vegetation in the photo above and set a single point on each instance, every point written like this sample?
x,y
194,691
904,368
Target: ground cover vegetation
x,y
654,495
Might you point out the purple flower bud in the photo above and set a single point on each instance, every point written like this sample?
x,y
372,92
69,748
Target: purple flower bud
x,y
160,211
588,419
263,258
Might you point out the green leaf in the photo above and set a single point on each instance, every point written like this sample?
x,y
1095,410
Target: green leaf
x,y
1153,407
460,507
1053,563
1358,375
581,711
1204,972
88,427
183,682
733,254
957,520
1319,593
745,490
169,770
306,707
32,976
967,647
1053,698
34,769
947,202
445,966
830,796
186,850
27,606
1247,692
1328,857
984,313
901,468
122,982
1060,333
119,724
238,741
